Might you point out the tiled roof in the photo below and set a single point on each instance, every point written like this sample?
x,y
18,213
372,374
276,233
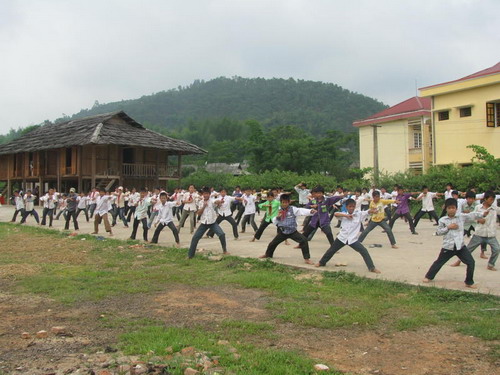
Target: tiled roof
x,y
412,107
495,69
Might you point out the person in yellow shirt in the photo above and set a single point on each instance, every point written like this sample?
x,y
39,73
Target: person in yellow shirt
x,y
377,212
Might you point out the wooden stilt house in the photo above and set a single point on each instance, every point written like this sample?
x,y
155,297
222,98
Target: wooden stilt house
x,y
105,150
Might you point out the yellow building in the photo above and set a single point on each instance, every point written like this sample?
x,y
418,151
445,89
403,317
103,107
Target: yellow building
x,y
397,138
465,112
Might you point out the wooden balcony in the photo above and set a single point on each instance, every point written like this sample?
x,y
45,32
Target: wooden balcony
x,y
150,170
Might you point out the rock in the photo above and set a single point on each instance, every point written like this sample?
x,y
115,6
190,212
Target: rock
x,y
215,258
140,369
140,256
42,334
189,351
190,371
236,356
320,367
25,335
58,330
223,342
169,350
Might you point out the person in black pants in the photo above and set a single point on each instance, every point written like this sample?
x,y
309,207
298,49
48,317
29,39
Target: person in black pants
x,y
71,204
223,204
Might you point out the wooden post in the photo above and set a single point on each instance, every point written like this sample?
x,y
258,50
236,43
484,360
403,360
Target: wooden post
x,y
157,182
9,187
59,170
375,155
79,154
93,167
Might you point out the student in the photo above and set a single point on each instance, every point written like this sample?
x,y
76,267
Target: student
x,y
141,215
427,205
384,194
92,202
403,209
61,204
71,204
486,229
248,200
165,218
19,203
208,216
365,203
303,193
49,204
133,198
349,230
154,206
286,221
120,204
82,200
29,207
376,210
469,206
189,200
238,204
223,203
451,227
321,217
103,205
271,208
447,195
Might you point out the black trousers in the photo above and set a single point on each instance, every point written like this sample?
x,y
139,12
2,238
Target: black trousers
x,y
21,211
160,227
262,227
407,216
358,246
248,219
230,220
85,211
326,229
463,254
47,212
145,228
69,215
296,236
420,214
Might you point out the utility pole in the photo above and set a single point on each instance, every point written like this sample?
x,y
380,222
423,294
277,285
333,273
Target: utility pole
x,y
375,155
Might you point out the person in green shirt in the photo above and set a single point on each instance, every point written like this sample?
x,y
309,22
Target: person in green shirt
x,y
271,207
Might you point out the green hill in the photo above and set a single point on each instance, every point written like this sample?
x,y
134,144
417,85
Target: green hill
x,y
313,106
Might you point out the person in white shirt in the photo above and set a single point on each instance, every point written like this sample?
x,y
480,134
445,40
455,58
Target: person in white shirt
x,y
141,215
92,202
82,205
120,206
366,199
29,207
223,203
189,200
133,199
348,235
303,193
427,205
208,216
248,200
49,204
19,203
165,217
103,205
155,206
486,230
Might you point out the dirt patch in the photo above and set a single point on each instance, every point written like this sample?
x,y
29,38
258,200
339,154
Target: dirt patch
x,y
94,328
11,271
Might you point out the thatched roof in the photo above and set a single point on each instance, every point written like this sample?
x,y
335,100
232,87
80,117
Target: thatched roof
x,y
110,128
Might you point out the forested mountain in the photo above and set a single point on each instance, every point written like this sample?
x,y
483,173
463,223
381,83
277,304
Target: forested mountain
x,y
312,106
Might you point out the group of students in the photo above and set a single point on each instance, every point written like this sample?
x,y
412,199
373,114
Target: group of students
x,y
358,213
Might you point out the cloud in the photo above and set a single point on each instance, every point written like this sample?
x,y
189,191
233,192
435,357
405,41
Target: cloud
x,y
60,56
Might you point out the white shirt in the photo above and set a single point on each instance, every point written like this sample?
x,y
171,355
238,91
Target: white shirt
x,y
447,194
191,206
349,229
454,237
29,202
49,201
303,195
209,215
489,228
165,213
225,207
133,199
103,204
249,203
19,203
427,203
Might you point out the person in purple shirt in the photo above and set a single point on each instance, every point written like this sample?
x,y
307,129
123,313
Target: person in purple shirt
x,y
321,219
403,209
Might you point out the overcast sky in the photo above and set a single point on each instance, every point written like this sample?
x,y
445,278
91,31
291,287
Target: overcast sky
x,y
60,56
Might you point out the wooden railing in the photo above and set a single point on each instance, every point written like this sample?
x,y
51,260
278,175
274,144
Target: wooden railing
x,y
149,170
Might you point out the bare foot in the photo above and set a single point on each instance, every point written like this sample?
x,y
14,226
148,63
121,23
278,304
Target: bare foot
x,y
252,240
318,265
264,256
111,234
473,286
308,261
226,253
375,270
426,280
177,244
456,264
395,247
491,268
296,247
483,256
236,238
287,243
